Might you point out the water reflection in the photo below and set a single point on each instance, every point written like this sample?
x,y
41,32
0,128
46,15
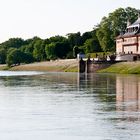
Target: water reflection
x,y
128,97
120,93
127,88
120,89
40,79
70,106
103,86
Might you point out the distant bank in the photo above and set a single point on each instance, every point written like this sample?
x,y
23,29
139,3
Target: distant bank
x,y
66,65
71,65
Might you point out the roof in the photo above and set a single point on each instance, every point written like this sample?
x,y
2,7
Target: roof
x,y
131,30
129,34
136,26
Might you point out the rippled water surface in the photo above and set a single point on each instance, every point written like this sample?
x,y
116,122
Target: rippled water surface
x,y
69,106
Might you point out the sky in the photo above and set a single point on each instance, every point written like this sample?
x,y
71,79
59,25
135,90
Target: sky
x,y
46,18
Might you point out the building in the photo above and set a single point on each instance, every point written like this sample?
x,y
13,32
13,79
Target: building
x,y
128,43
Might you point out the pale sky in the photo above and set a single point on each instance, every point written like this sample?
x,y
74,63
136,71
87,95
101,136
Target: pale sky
x,y
46,18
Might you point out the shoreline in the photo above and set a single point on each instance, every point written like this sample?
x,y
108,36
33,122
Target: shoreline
x,y
66,65
123,68
71,65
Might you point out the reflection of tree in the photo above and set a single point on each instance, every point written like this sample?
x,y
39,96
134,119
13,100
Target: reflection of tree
x,y
100,85
44,80
106,87
13,80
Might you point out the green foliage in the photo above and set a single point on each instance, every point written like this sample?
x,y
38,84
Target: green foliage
x,y
62,49
92,45
13,43
27,58
55,39
74,39
50,51
86,35
2,56
104,35
57,49
39,50
28,48
14,57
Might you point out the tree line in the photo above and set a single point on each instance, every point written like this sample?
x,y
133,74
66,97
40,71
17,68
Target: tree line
x,y
101,39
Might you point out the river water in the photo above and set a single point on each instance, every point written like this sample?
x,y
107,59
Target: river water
x,y
69,106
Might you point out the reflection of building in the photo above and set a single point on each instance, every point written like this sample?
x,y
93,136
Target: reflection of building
x,y
128,43
128,90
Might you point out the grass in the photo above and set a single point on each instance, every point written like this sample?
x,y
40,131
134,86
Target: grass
x,y
123,68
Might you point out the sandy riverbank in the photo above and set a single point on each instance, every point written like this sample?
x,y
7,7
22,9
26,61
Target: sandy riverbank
x,y
68,65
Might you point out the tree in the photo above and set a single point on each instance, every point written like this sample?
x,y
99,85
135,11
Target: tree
x,y
85,36
104,36
29,49
62,49
13,43
55,39
92,45
57,47
50,51
39,50
74,39
2,56
14,57
27,58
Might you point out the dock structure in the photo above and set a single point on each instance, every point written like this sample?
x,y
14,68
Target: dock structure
x,y
82,65
91,66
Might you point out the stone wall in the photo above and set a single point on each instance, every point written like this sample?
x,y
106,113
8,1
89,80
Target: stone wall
x,y
89,66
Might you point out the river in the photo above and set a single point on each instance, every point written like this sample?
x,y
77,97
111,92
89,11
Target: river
x,y
69,106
